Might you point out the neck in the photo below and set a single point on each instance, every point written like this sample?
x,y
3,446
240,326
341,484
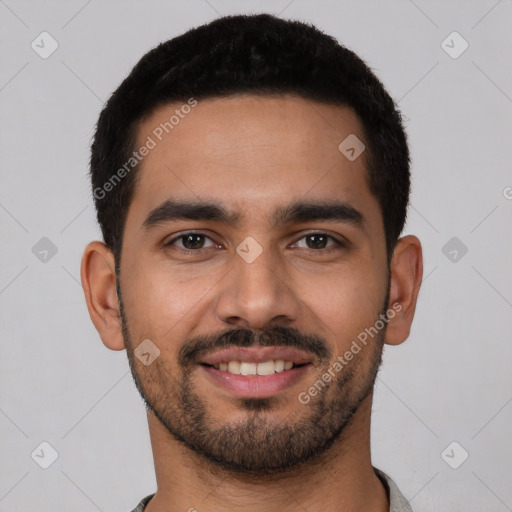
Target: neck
x,y
340,480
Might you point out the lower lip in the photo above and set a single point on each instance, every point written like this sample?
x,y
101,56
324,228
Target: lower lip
x,y
256,386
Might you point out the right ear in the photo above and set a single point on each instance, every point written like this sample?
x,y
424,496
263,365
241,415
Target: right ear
x,y
98,277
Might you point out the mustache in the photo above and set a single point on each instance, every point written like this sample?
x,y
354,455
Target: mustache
x,y
197,347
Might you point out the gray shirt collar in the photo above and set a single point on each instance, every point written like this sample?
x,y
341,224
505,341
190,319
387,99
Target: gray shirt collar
x,y
397,501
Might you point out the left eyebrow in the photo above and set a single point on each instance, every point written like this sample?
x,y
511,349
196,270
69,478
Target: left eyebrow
x,y
298,211
308,211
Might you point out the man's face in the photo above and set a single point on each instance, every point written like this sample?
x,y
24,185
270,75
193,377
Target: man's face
x,y
303,287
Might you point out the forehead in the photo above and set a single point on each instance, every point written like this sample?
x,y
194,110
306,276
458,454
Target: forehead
x,y
251,153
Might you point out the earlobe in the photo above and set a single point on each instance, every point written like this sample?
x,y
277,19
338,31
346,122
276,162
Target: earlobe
x,y
98,278
406,275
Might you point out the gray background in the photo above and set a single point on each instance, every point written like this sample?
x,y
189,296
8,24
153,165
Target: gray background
x,y
451,381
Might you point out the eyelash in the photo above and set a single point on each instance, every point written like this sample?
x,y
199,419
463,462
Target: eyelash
x,y
329,250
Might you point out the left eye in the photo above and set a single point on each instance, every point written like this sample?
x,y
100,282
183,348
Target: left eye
x,y
319,241
195,241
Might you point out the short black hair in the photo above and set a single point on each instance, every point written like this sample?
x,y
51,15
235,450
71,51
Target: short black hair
x,y
256,54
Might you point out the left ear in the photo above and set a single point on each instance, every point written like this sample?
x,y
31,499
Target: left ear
x,y
405,281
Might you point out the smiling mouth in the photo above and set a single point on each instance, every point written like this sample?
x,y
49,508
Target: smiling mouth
x,y
255,369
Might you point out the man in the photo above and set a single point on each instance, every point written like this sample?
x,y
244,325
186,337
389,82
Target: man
x,y
251,179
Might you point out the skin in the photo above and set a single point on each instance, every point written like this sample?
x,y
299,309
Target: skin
x,y
254,154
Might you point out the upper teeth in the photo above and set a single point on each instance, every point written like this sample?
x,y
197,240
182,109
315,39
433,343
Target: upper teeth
x,y
265,368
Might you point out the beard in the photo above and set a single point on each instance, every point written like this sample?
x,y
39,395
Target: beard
x,y
255,446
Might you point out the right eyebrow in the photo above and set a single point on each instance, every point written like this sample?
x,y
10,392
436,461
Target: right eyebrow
x,y
185,210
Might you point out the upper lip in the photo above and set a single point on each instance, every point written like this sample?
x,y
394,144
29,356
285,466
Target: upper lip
x,y
256,355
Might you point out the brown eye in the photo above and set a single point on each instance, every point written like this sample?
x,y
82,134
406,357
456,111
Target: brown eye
x,y
319,241
316,241
190,242
193,241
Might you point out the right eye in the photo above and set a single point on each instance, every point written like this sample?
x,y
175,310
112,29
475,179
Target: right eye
x,y
191,242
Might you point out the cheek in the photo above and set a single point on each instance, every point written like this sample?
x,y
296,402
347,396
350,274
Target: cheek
x,y
345,302
161,301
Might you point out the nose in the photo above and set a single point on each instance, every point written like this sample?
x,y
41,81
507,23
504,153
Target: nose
x,y
257,294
